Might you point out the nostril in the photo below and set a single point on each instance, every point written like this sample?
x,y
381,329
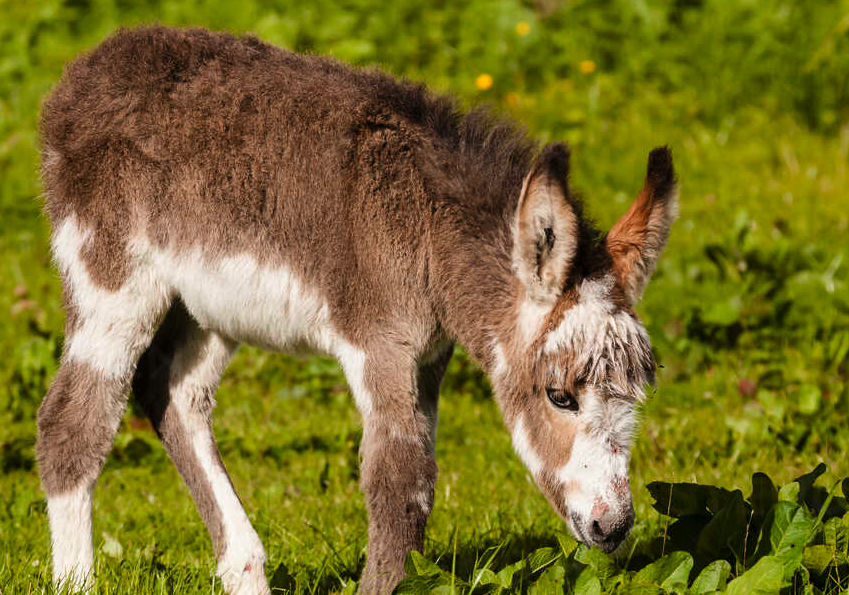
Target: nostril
x,y
598,533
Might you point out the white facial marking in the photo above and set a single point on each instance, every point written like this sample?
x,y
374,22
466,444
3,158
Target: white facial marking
x,y
524,448
70,528
590,313
600,454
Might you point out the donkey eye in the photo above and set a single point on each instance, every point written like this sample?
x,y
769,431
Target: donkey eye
x,y
562,399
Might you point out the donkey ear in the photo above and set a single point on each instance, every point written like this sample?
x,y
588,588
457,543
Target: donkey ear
x,y
637,239
545,230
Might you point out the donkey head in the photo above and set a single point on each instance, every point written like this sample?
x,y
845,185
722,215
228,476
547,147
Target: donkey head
x,y
573,373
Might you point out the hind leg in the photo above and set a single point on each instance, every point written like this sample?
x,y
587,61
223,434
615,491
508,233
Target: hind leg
x,y
175,383
106,331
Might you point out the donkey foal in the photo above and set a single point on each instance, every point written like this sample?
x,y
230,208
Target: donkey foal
x,y
207,190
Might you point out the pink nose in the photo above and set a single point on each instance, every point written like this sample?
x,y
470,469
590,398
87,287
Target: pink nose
x,y
608,528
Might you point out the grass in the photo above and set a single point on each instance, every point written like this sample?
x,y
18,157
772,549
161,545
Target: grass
x,y
748,310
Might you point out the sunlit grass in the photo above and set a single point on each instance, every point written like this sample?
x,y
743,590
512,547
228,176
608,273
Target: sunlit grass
x,y
748,310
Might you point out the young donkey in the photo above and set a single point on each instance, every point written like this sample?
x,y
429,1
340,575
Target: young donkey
x,y
207,191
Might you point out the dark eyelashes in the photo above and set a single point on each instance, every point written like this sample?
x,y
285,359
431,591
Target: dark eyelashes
x,y
562,399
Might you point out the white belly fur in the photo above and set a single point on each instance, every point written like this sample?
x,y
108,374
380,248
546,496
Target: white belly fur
x,y
264,306
236,296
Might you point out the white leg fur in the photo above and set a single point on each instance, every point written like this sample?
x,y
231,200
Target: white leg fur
x,y
116,326
280,311
70,528
242,567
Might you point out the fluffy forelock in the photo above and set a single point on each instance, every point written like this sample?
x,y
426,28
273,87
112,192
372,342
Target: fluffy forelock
x,y
606,346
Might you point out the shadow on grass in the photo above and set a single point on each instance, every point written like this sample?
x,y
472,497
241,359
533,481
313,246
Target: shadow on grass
x,y
470,556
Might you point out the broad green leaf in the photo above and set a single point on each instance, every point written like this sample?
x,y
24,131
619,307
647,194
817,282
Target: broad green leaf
x,y
807,480
505,575
418,565
670,572
841,537
718,498
764,578
817,558
763,498
832,532
688,498
785,534
542,557
684,533
551,581
567,544
485,577
588,583
684,499
600,562
726,528
634,588
789,492
713,577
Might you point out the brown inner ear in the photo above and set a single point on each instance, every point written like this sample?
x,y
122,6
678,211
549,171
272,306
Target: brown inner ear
x,y
636,240
627,236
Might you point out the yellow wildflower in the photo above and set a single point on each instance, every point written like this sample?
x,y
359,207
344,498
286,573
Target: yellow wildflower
x,y
523,28
587,66
512,99
484,81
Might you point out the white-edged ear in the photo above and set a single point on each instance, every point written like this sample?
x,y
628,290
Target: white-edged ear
x,y
545,230
637,239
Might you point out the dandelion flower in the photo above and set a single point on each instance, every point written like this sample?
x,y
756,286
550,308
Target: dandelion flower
x,y
587,66
484,81
523,28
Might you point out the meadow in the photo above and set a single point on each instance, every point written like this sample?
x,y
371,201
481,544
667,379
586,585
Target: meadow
x,y
738,468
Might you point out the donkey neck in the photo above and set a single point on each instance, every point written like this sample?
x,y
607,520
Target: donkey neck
x,y
472,276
